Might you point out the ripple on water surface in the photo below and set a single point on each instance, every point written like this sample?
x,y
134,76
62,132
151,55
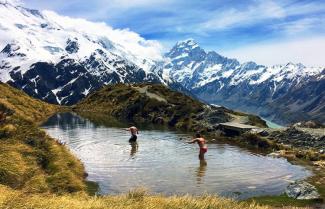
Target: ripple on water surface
x,y
163,163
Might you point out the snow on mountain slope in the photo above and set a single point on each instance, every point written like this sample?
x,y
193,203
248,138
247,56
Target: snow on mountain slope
x,y
245,86
61,60
30,37
188,62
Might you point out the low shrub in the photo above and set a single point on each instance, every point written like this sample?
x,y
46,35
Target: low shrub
x,y
255,140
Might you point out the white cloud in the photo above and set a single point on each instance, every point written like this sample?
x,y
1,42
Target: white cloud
x,y
258,12
304,8
13,2
302,25
233,17
130,40
308,51
136,3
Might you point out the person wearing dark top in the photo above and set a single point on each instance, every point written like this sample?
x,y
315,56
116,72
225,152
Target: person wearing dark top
x,y
134,131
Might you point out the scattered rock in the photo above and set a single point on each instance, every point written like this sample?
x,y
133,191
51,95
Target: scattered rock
x,y
302,190
260,132
263,133
309,124
298,138
283,153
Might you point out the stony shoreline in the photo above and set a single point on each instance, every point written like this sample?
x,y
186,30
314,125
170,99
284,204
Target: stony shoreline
x,y
300,137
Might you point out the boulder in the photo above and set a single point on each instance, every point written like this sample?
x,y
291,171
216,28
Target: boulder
x,y
275,154
321,151
309,124
302,190
159,120
264,133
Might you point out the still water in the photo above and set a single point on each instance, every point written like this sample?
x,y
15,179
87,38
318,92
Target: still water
x,y
163,163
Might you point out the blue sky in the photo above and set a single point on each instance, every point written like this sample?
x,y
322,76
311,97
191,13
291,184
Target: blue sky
x,y
266,31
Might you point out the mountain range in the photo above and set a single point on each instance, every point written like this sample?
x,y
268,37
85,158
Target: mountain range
x,y
283,93
61,60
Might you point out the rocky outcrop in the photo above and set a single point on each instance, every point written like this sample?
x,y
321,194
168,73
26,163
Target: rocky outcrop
x,y
302,190
298,138
156,103
309,124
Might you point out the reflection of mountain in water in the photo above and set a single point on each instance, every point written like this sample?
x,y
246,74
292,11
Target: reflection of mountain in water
x,y
100,119
69,120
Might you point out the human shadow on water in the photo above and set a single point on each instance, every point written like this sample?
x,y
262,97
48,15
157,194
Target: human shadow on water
x,y
201,170
134,149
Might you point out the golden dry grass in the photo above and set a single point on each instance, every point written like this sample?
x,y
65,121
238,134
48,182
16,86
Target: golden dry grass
x,y
29,159
135,200
24,106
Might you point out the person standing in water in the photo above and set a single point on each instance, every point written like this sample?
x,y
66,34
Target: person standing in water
x,y
134,131
201,142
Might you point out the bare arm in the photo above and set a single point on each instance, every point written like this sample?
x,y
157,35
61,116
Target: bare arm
x,y
192,141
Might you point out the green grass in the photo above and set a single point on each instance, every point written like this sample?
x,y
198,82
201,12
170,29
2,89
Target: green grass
x,y
282,201
92,187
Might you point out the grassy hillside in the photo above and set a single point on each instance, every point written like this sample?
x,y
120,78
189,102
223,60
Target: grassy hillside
x,y
23,106
29,159
156,103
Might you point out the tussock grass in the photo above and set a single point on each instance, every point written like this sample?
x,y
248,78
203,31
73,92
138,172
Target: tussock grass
x,y
29,159
23,105
135,199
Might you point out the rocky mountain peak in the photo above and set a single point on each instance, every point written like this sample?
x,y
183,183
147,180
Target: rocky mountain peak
x,y
188,43
12,49
187,48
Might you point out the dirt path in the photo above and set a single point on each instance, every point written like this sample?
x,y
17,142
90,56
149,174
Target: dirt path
x,y
144,90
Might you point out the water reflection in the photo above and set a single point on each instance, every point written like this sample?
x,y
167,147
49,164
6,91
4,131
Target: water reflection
x,y
162,163
134,149
200,173
67,121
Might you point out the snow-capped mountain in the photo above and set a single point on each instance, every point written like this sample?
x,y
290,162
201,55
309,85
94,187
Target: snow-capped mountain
x,y
60,59
249,86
